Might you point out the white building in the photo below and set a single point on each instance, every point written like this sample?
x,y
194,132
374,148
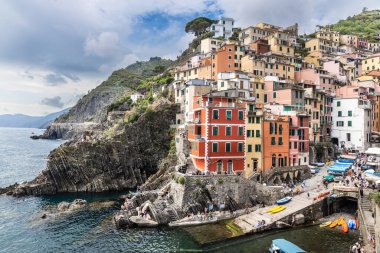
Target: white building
x,y
210,45
223,28
233,80
351,126
374,47
136,96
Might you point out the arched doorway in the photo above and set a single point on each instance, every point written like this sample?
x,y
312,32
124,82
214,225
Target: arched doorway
x,y
229,167
220,167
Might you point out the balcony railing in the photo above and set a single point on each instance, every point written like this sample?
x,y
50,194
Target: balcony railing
x,y
224,104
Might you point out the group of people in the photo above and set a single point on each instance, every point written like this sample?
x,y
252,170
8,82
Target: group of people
x,y
357,248
260,223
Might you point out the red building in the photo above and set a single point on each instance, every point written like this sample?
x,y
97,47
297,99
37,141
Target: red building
x,y
362,43
218,134
260,46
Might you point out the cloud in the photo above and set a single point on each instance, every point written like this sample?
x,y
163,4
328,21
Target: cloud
x,y
105,44
54,79
53,102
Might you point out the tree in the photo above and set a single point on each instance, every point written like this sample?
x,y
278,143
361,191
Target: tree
x,y
199,25
365,9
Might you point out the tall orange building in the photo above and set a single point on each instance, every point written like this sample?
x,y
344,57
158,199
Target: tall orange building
x,y
275,141
227,59
218,134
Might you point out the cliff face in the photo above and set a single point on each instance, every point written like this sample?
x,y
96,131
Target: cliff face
x,y
121,162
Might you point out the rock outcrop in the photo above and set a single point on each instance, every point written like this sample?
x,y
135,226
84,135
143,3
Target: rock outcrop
x,y
120,162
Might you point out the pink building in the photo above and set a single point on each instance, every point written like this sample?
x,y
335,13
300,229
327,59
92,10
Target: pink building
x,y
284,93
318,77
336,68
362,43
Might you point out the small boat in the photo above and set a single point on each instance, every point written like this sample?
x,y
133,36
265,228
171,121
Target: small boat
x,y
335,223
283,200
351,224
329,178
325,224
284,246
318,164
344,226
273,209
281,208
341,221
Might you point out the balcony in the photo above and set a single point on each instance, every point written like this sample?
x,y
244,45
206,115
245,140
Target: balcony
x,y
223,104
197,121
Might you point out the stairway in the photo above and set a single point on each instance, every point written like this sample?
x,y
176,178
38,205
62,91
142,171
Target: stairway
x,y
366,207
172,215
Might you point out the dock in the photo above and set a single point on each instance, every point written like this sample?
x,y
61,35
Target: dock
x,y
248,222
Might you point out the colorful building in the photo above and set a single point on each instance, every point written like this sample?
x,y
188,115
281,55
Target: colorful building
x,y
218,134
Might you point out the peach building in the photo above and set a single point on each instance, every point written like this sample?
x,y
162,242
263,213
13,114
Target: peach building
x,y
275,141
227,59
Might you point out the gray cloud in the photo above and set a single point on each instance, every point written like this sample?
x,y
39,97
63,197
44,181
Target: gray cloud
x,y
54,79
53,102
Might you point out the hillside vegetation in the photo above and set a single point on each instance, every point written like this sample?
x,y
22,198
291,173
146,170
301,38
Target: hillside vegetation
x,y
366,24
94,106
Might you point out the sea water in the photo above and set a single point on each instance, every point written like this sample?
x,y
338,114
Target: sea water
x,y
22,229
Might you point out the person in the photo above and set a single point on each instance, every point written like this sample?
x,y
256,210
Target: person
x,y
308,194
297,190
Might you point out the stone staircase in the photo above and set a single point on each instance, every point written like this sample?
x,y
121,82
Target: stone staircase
x,y
366,207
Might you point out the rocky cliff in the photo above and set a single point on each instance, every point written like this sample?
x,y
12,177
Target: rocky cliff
x,y
94,106
122,159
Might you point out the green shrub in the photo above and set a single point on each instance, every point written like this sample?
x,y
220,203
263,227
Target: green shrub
x,y
375,196
220,180
198,182
182,180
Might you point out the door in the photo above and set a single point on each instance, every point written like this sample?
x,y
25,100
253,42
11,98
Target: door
x,y
229,167
220,167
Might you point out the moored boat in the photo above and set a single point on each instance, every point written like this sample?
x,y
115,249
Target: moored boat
x,y
281,208
325,224
284,246
344,226
284,200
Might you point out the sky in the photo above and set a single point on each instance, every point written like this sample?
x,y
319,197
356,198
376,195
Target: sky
x,y
52,52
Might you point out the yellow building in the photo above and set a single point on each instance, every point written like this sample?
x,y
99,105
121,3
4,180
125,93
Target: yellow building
x,y
254,148
280,43
270,65
322,45
312,108
327,34
315,58
257,89
371,63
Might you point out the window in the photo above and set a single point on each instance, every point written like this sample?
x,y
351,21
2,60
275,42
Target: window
x,y
339,113
257,133
249,133
221,84
240,147
215,114
215,131
338,103
271,128
280,129
280,141
350,123
249,148
348,135
241,115
257,120
350,113
240,132
265,98
274,94
340,123
295,145
257,148
215,147
273,141
229,115
228,147
228,131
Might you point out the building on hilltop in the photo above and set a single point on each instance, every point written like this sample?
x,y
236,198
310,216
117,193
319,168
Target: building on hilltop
x,y
223,28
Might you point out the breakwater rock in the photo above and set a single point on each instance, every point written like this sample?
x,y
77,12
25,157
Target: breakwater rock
x,y
120,160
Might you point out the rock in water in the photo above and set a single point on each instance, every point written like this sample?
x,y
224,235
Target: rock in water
x,y
121,220
108,164
63,206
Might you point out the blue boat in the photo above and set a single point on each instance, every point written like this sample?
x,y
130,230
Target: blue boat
x,y
318,164
284,246
346,161
283,200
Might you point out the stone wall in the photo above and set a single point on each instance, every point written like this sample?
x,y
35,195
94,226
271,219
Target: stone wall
x,y
235,192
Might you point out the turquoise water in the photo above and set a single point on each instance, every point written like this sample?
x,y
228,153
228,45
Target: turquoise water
x,y
21,229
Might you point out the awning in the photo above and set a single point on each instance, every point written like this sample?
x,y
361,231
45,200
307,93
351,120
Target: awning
x,y
373,151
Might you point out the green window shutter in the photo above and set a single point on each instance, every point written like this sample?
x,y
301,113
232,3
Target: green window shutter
x,y
339,113
215,131
241,115
228,147
257,133
349,113
229,115
280,131
257,120
240,147
280,141
215,147
215,114
273,141
350,123
249,148
228,131
241,129
338,103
